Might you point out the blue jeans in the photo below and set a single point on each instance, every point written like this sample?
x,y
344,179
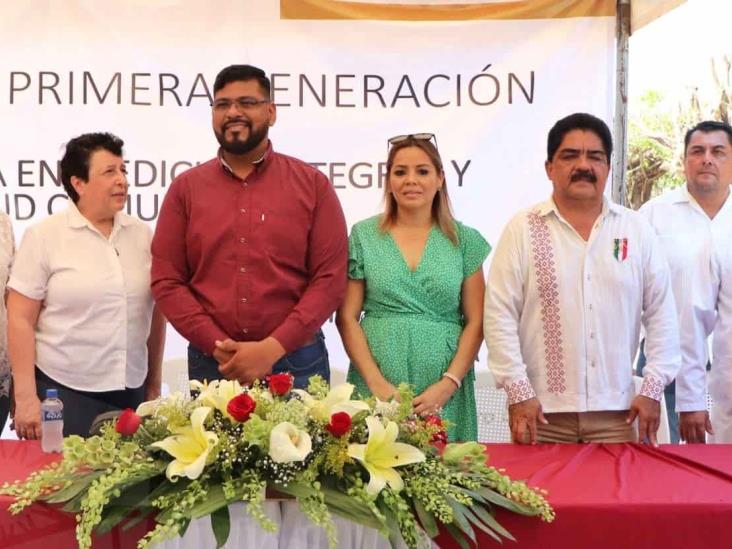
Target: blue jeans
x,y
302,363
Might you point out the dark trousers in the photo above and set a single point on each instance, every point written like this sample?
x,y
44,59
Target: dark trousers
x,y
81,407
302,363
4,409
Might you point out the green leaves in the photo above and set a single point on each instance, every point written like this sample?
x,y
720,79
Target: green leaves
x,y
221,525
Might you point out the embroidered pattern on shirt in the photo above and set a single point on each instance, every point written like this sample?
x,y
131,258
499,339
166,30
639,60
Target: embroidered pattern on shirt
x,y
652,388
519,391
543,255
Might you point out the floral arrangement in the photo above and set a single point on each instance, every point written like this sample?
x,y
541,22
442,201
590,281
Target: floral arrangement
x,y
183,457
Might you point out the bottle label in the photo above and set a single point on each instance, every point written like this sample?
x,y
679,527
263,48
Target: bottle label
x,y
52,415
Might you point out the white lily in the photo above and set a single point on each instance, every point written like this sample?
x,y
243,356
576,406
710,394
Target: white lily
x,y
218,393
288,443
190,446
381,454
337,400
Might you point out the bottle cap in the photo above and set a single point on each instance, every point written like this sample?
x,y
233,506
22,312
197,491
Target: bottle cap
x,y
51,393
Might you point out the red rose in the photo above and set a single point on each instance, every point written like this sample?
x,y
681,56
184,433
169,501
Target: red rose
x,y
241,407
340,423
440,435
280,384
128,422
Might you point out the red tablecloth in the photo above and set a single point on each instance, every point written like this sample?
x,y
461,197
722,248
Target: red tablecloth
x,y
605,496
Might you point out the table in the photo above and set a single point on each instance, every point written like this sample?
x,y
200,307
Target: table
x,y
605,496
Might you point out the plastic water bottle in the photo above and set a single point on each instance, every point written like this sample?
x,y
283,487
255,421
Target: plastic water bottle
x,y
52,422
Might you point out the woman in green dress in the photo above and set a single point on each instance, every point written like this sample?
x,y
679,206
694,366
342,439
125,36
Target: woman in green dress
x,y
416,275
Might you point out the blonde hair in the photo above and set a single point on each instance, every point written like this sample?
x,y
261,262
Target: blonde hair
x,y
441,208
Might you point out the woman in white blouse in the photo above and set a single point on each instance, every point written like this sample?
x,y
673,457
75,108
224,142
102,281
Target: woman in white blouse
x,y
81,315
7,249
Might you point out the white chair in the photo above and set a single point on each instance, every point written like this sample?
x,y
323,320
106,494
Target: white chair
x,y
175,376
337,377
492,409
664,435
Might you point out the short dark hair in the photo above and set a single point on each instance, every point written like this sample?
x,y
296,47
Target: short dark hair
x,y
75,162
237,73
708,126
578,121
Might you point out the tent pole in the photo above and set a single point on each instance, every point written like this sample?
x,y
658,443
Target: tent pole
x,y
620,122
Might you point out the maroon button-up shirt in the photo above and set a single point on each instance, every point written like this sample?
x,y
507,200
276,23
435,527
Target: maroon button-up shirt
x,y
247,259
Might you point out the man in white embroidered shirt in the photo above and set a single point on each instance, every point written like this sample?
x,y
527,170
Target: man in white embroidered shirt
x,y
694,224
571,281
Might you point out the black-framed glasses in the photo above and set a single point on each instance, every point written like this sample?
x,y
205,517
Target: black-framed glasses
x,y
416,136
242,103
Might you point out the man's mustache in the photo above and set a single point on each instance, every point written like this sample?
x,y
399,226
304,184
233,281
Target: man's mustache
x,y
583,175
237,121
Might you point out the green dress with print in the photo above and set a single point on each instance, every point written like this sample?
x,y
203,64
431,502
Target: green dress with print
x,y
413,319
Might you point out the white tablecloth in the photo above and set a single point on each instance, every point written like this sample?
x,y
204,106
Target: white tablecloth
x,y
295,532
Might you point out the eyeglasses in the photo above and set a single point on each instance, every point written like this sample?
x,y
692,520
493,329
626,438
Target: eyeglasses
x,y
416,136
242,104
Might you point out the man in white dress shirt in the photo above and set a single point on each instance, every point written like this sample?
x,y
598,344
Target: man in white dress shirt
x,y
694,224
720,378
571,281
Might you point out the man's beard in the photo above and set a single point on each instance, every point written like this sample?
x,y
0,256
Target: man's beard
x,y
238,146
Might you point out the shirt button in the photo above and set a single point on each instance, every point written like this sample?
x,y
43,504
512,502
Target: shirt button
x,y
592,363
590,306
243,210
244,330
243,240
242,269
246,184
243,299
592,335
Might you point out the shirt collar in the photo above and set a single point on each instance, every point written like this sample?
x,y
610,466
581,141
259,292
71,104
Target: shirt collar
x,y
259,164
77,220
549,206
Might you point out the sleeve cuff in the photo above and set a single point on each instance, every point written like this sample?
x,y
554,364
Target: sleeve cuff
x,y
519,391
652,388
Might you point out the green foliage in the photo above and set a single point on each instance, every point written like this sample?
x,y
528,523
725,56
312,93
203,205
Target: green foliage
x,y
106,477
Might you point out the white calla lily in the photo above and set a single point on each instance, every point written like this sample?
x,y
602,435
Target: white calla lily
x,y
149,407
190,446
381,454
218,393
337,400
287,443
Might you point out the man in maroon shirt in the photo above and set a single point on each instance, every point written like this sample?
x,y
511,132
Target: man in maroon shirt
x,y
250,249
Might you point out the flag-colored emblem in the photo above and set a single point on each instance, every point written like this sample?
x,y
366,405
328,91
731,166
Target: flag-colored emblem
x,y
620,249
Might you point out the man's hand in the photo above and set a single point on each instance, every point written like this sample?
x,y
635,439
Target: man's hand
x,y
522,418
648,412
250,360
222,357
692,426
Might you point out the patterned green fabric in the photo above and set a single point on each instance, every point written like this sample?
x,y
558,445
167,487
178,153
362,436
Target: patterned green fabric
x,y
413,319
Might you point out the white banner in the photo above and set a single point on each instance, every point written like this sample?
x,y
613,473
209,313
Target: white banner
x,y
489,88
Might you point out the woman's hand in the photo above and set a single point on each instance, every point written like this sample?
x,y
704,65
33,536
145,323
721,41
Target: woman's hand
x,y
27,417
383,390
434,397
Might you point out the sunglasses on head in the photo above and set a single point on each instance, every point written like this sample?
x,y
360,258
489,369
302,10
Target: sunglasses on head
x,y
416,136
